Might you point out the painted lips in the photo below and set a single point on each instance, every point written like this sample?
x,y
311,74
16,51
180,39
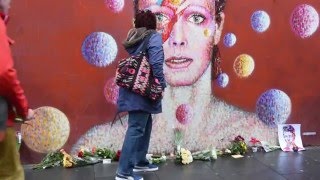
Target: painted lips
x,y
178,62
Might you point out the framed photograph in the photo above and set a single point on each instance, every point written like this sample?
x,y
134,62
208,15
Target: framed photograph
x,y
290,137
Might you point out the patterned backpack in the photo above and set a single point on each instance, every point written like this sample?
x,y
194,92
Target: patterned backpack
x,y
135,74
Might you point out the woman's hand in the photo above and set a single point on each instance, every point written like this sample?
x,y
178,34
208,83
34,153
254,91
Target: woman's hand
x,y
30,114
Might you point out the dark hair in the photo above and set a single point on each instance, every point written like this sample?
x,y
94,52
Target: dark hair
x,y
288,128
216,57
220,5
145,19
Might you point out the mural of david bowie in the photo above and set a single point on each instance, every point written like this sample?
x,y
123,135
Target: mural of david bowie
x,y
191,32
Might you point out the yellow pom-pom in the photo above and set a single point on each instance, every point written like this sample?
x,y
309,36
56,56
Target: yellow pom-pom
x,y
243,65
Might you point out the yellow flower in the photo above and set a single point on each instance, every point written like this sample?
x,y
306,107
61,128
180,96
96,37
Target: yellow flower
x,y
186,156
67,159
66,162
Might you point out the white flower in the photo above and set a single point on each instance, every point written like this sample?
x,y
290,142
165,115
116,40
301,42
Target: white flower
x,y
214,154
184,162
164,157
149,157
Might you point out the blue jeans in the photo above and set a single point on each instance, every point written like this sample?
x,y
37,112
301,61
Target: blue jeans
x,y
136,142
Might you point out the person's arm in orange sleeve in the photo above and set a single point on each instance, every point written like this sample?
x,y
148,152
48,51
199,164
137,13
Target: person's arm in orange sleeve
x,y
8,77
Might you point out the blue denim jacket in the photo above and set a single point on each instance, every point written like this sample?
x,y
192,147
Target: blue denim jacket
x,y
129,101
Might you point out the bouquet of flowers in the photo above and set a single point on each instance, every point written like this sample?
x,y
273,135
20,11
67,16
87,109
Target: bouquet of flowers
x,y
184,156
86,153
117,158
224,152
206,155
156,159
53,159
102,153
105,153
254,144
62,158
78,162
84,158
68,160
267,147
238,146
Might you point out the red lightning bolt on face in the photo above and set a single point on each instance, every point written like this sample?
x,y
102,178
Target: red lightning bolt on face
x,y
167,28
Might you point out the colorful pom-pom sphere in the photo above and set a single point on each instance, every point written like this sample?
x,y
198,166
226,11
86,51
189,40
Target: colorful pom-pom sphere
x,y
99,49
223,80
260,21
115,6
304,21
243,65
184,114
273,107
111,91
229,39
47,132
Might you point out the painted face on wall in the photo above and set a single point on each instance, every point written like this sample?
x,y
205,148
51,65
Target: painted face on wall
x,y
189,31
288,137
